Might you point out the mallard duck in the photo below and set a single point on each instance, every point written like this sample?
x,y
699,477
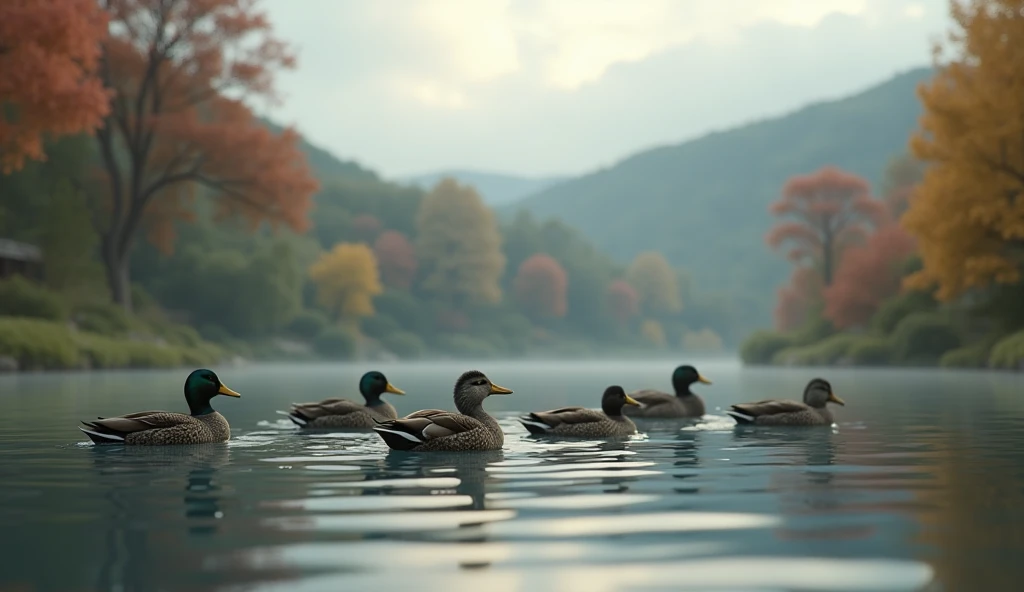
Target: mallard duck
x,y
583,422
343,413
154,428
435,430
812,412
659,404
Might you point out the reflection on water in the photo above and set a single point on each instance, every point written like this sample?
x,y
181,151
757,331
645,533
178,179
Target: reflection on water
x,y
918,491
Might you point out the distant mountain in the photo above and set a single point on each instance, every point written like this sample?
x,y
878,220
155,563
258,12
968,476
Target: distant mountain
x,y
495,188
326,166
704,203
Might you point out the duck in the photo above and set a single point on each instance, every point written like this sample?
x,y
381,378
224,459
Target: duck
x,y
202,425
773,412
470,429
661,405
343,413
583,422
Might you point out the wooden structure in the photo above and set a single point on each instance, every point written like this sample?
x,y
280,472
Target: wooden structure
x,y
20,258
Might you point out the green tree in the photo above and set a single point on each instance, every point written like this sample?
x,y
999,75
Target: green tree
x,y
459,247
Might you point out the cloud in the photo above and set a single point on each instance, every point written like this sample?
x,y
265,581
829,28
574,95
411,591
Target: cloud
x,y
542,86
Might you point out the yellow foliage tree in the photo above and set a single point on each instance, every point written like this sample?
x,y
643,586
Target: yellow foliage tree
x,y
347,279
704,341
652,331
459,246
655,283
968,212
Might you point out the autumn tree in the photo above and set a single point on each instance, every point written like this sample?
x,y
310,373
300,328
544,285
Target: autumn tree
x,y
541,286
346,279
396,258
968,212
623,302
823,213
655,283
180,71
902,174
868,274
459,246
652,331
800,297
705,341
366,228
49,54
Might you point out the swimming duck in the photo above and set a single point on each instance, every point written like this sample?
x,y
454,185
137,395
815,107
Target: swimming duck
x,y
659,404
812,412
154,428
343,413
435,430
583,422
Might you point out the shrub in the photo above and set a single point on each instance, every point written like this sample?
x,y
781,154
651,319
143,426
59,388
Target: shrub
x,y
870,351
216,334
380,326
102,318
824,353
404,344
335,343
923,337
37,344
181,335
20,297
465,345
761,346
970,356
307,324
898,308
1008,353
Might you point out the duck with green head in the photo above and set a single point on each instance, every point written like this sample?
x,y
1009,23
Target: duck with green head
x,y
580,422
203,425
343,413
662,405
813,411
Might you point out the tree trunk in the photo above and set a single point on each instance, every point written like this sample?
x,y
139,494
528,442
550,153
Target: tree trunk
x,y
118,277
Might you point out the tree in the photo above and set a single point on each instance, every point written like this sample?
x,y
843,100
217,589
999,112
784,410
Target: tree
x,y
653,333
397,259
704,341
178,70
623,302
541,286
798,299
902,175
459,246
655,283
49,53
868,275
828,210
968,212
346,280
366,228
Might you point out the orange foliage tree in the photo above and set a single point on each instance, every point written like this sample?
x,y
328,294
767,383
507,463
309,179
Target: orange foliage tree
x,y
541,286
49,53
825,211
366,228
178,68
867,275
396,258
968,212
623,301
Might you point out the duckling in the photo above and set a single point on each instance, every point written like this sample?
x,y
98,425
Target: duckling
x,y
659,404
436,430
812,412
343,413
583,422
158,428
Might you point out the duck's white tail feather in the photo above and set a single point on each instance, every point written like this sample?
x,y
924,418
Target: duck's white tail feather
x,y
112,437
406,435
529,421
297,420
741,417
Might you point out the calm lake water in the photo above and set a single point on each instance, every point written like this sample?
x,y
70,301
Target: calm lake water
x,y
920,486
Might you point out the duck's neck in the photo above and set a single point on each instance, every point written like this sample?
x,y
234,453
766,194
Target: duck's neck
x,y
475,409
683,390
199,407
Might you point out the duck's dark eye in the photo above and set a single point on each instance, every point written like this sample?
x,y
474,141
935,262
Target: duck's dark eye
x,y
480,382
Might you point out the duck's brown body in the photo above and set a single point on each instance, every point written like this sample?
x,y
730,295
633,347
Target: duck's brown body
x,y
662,405
784,413
160,428
341,413
578,422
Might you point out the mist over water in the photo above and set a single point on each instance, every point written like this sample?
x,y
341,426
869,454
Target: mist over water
x,y
919,486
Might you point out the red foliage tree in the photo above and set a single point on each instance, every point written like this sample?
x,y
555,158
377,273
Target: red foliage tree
x,y
867,275
49,53
541,287
179,69
366,228
623,301
798,299
396,258
827,211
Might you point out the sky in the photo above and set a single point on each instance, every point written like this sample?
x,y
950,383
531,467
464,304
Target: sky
x,y
552,87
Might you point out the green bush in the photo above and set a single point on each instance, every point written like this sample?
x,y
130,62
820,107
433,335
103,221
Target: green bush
x,y
20,297
761,346
923,337
307,324
380,326
824,353
37,344
103,318
404,344
1008,353
970,356
182,335
870,351
465,345
898,308
216,334
335,343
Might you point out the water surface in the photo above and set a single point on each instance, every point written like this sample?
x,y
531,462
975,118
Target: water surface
x,y
919,486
